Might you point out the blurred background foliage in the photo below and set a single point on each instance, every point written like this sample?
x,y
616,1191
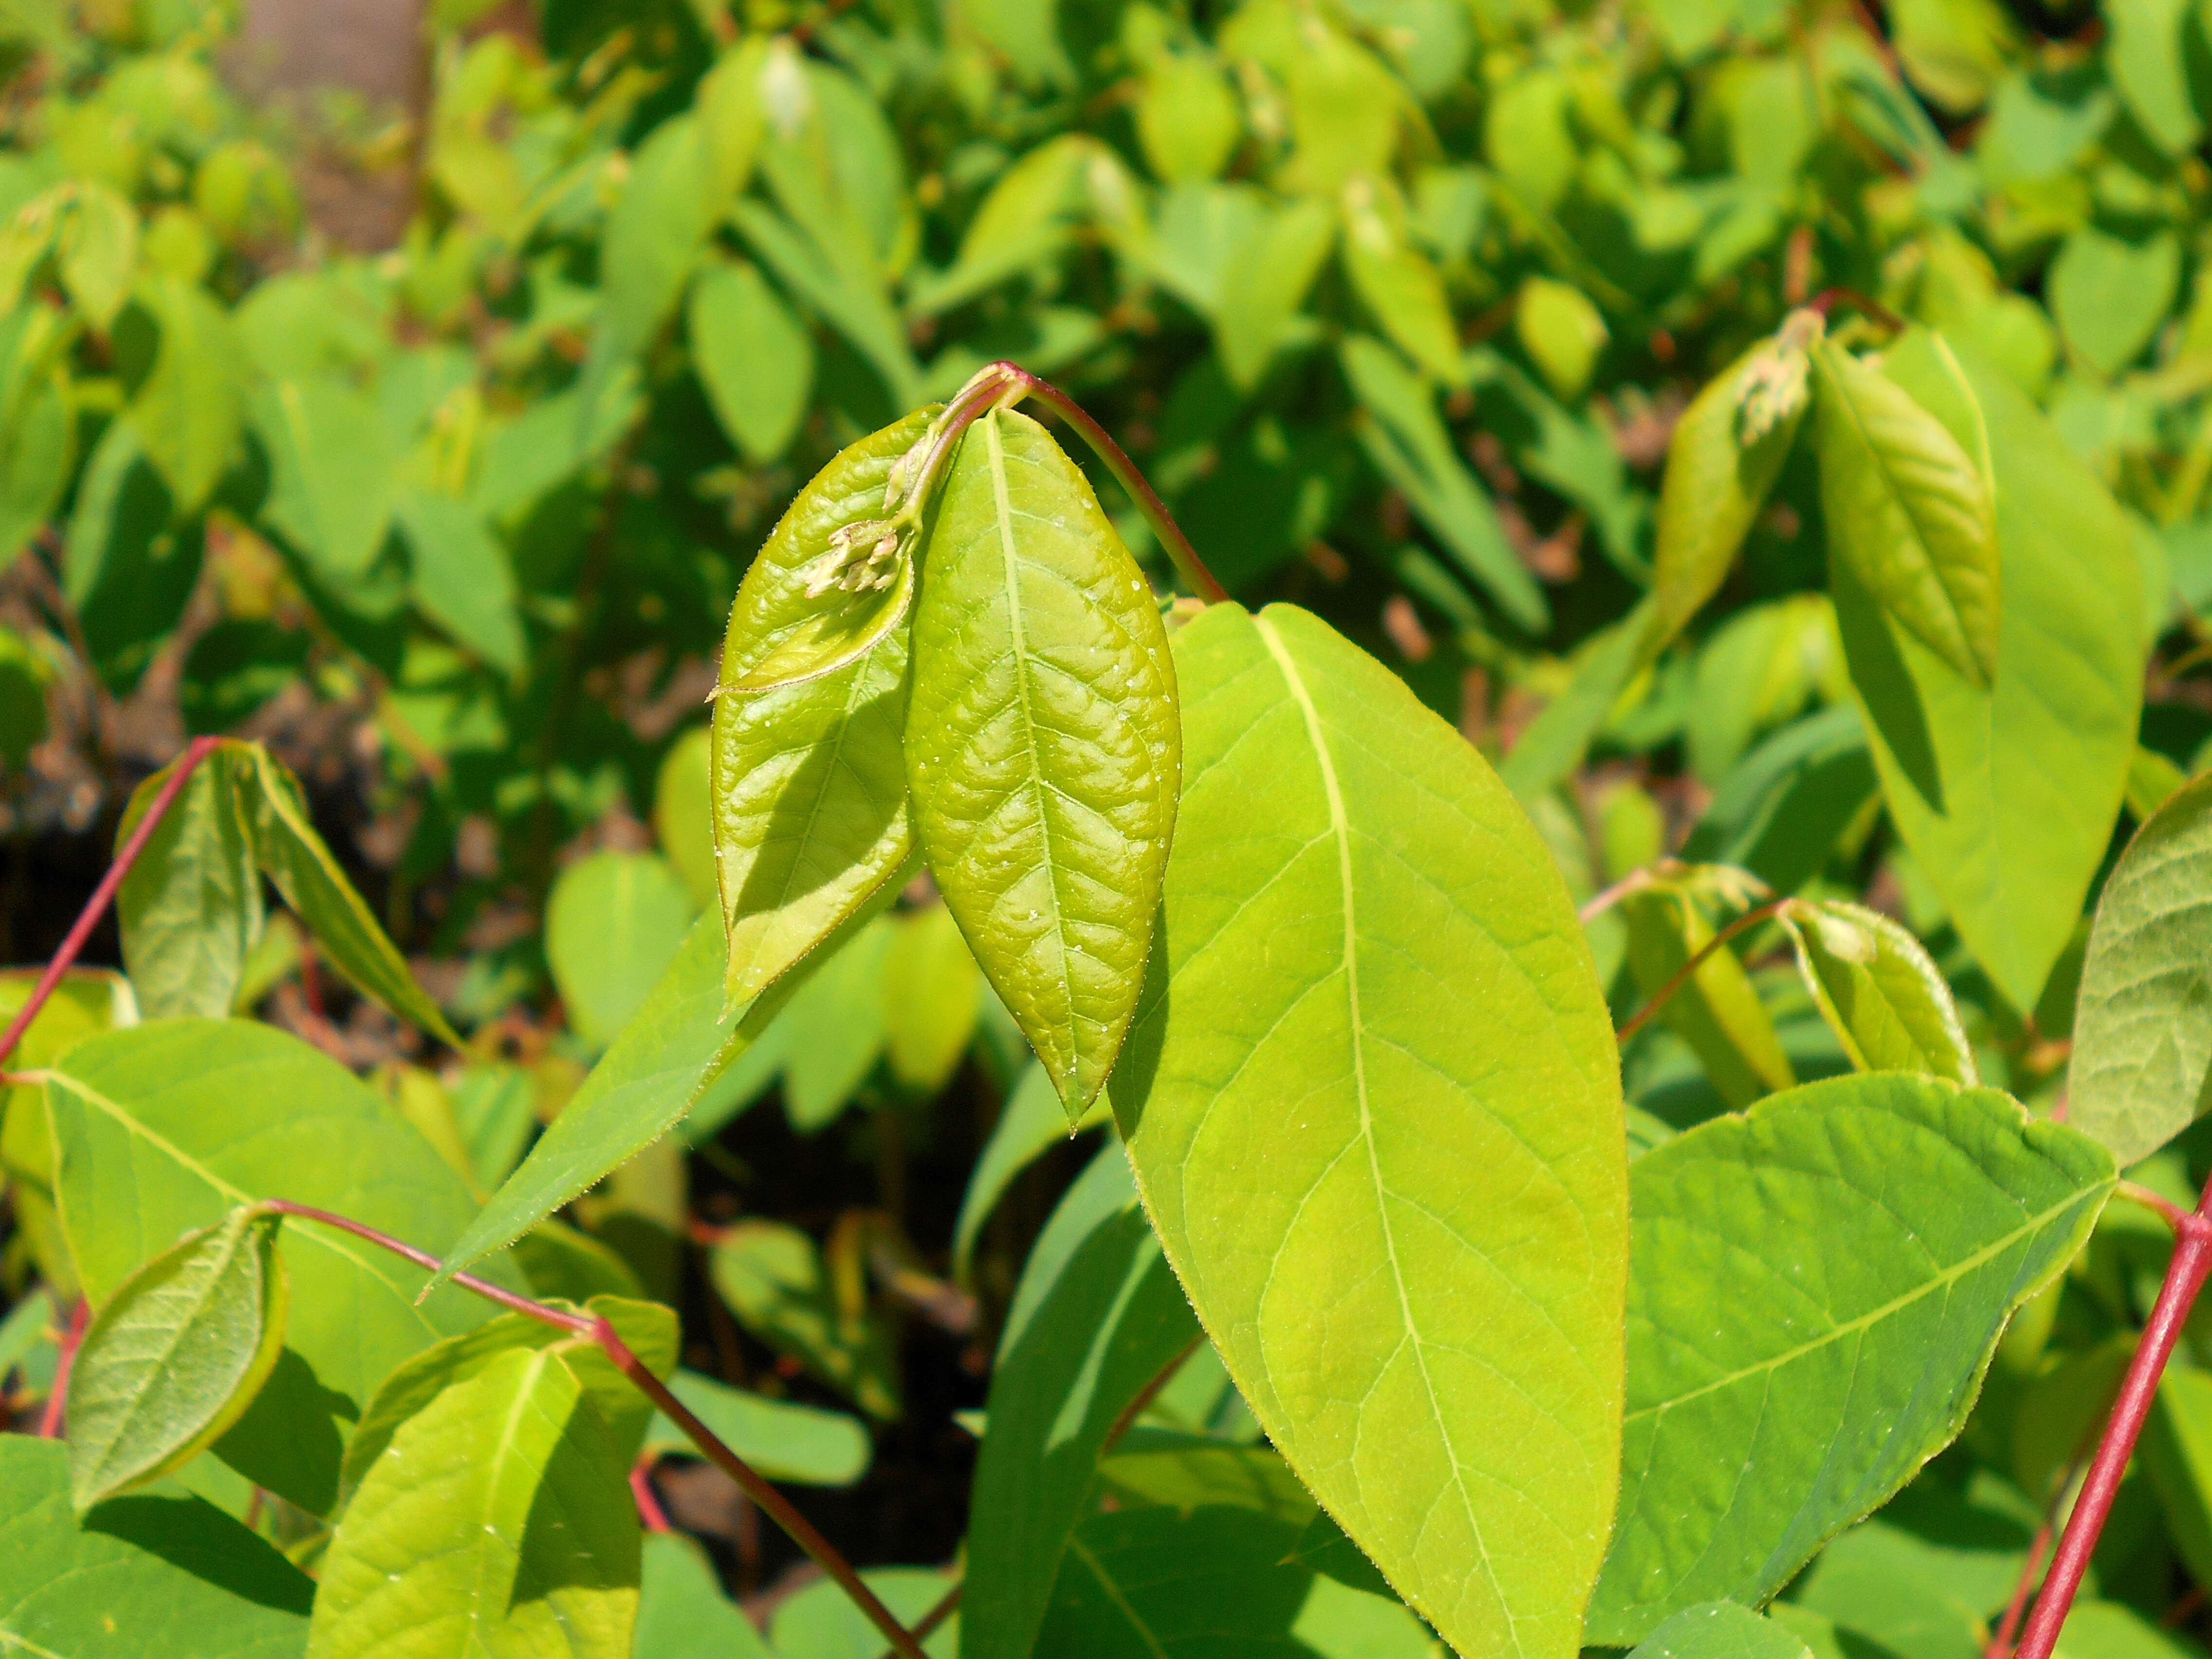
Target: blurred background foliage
x,y
426,438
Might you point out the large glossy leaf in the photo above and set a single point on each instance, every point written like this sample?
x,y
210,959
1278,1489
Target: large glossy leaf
x,y
1373,1104
2007,796
1874,983
165,1127
1715,484
497,1522
1043,749
142,1576
803,1444
613,923
189,407
2142,1021
678,1042
1097,1316
176,1356
809,778
1908,509
1815,1292
191,906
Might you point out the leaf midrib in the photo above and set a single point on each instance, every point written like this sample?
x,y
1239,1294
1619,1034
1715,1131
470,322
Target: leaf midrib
x,y
1873,1316
1340,829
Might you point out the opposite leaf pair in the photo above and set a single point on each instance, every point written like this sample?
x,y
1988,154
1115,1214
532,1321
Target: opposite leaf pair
x,y
1017,730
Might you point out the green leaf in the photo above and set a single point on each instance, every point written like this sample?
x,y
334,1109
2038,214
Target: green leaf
x,y
684,812
235,668
2177,1455
932,993
1332,1087
295,859
1816,1288
755,358
802,1444
1717,1010
676,1044
38,445
1909,510
1721,1630
1042,745
192,907
772,1276
332,473
1412,449
1556,741
1400,288
809,777
85,1001
2006,795
1096,1316
175,1356
462,576
1780,810
2109,296
613,923
144,1575
821,1622
126,568
190,408
654,239
2142,1020
1712,490
621,1410
1562,333
1187,122
1031,1122
2147,55
498,1521
165,1127
850,302
682,1613
97,252
835,1030
1874,983
1269,275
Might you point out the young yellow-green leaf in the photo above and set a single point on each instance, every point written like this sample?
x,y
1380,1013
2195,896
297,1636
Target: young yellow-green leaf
x,y
146,1576
1721,1630
2005,796
1717,1010
683,812
297,862
1562,332
931,996
497,1522
1373,1102
613,923
1886,1001
191,407
176,1356
1043,750
97,251
2142,1021
804,1445
1096,1317
1400,286
1908,509
1269,275
808,775
1714,487
648,1327
192,907
1815,1292
773,1277
164,1127
835,1030
1031,1122
755,359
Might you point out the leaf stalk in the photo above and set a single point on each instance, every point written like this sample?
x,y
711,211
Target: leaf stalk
x,y
1743,924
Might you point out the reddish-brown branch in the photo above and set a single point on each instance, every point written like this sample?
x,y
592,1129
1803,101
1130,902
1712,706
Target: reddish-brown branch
x,y
578,1324
88,918
1743,924
2184,1277
72,1338
649,1512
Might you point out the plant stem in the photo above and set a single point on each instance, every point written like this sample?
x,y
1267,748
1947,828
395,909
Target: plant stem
x,y
650,1515
749,1481
1634,882
72,1338
947,1605
2184,1277
88,918
1743,924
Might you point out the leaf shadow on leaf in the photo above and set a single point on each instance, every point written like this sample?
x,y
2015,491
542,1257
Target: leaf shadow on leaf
x,y
556,1556
771,883
1885,684
178,1530
1130,1084
288,1437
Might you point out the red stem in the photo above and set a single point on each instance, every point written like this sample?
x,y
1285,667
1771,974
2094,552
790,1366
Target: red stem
x,y
802,1531
72,1338
2184,1277
88,918
649,1512
1743,924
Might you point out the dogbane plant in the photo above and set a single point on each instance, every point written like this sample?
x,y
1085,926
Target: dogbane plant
x,y
1236,885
